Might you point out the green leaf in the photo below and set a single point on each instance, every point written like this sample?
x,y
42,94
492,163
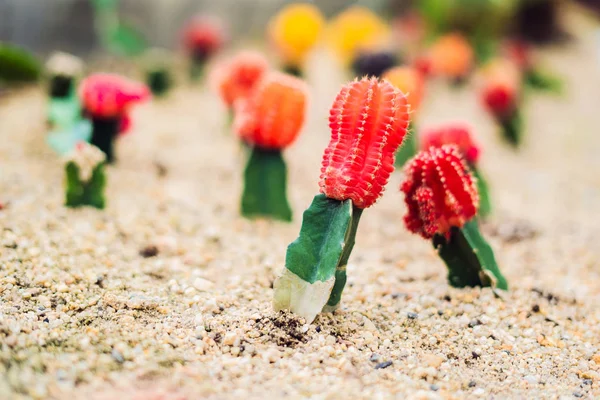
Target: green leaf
x,y
544,81
316,253
485,204
408,148
469,258
265,181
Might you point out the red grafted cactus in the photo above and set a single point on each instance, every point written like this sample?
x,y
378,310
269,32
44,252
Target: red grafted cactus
x,y
273,115
439,192
238,78
110,95
203,36
106,100
501,87
368,122
458,134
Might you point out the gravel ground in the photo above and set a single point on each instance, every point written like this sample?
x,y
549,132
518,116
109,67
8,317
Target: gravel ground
x,y
166,293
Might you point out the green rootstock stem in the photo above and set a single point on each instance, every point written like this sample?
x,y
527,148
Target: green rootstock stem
x,y
469,258
197,70
293,70
512,128
408,148
85,193
340,269
159,81
104,132
485,203
265,182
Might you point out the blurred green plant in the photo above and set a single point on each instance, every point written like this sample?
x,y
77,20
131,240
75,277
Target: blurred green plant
x,y
17,65
117,36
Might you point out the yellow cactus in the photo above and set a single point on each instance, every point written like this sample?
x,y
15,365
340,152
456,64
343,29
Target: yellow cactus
x,y
295,30
355,29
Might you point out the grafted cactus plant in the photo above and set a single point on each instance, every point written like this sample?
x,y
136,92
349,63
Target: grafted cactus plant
x,y
368,122
268,122
238,77
85,177
63,70
441,199
107,100
294,32
501,96
411,82
203,36
450,57
159,77
460,134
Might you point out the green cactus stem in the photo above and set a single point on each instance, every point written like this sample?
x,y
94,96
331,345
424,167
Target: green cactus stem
x,y
85,193
293,69
63,112
485,203
159,81
408,148
469,258
61,86
265,183
317,258
104,132
512,128
340,270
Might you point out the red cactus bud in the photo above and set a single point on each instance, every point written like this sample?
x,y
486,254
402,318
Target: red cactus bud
x,y
368,122
458,134
501,86
439,192
239,77
203,36
273,115
110,96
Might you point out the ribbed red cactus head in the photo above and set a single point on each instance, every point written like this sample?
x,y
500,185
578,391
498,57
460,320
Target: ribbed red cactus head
x,y
456,133
236,79
110,96
439,192
272,117
203,36
368,122
501,87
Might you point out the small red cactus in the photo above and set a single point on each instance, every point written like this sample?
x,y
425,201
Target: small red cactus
x,y
439,192
273,115
110,96
203,36
239,77
501,88
368,122
458,134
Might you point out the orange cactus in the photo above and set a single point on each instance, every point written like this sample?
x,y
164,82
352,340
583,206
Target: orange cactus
x,y
409,81
368,122
273,115
451,56
236,80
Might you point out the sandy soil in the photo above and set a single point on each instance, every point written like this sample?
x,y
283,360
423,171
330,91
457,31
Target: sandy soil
x,y
84,315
